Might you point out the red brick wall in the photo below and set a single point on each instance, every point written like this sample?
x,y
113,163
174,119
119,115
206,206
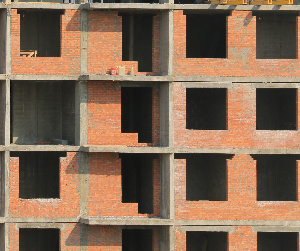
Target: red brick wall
x,y
241,191
105,187
105,44
69,237
67,64
241,123
241,52
104,108
66,206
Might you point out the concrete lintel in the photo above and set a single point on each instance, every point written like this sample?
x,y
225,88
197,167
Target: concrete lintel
x,y
106,77
2,6
127,6
33,220
40,225
275,229
229,229
236,223
229,85
123,221
3,76
47,5
124,149
44,77
50,148
2,220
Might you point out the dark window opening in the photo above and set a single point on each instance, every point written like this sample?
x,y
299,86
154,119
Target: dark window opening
x,y
206,36
136,112
276,36
137,239
40,33
208,241
38,174
206,176
42,112
137,181
276,109
277,241
137,40
276,177
37,239
206,108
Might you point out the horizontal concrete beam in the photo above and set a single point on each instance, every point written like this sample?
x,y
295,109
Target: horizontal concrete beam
x,y
50,148
123,221
40,220
275,229
228,229
121,149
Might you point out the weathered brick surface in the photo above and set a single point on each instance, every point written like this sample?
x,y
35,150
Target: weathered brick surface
x,y
241,52
104,115
241,193
66,206
241,124
105,187
69,61
69,237
105,44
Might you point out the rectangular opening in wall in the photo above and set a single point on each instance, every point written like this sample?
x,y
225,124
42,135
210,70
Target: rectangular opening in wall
x,y
137,239
137,181
40,33
208,241
137,40
206,176
38,174
276,177
43,112
206,108
37,239
136,112
276,109
276,36
206,35
277,241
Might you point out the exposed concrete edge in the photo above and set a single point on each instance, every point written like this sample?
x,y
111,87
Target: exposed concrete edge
x,y
40,225
125,6
275,229
107,77
231,85
126,221
42,148
3,76
124,149
53,6
237,223
236,79
44,77
228,229
41,220
2,220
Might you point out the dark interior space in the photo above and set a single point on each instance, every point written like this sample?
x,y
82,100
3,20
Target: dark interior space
x,y
38,174
276,177
277,241
42,112
137,181
137,239
206,35
276,36
276,109
40,32
39,239
137,40
136,112
206,176
206,108
208,241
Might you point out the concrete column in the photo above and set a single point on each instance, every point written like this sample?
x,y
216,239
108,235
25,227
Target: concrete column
x,y
84,41
83,237
83,182
6,91
166,54
6,237
167,238
8,40
81,113
5,165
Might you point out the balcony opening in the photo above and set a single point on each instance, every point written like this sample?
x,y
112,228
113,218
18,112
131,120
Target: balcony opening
x,y
277,241
276,177
136,112
43,112
137,181
276,36
137,239
208,241
206,108
137,40
276,109
40,33
206,35
39,174
37,239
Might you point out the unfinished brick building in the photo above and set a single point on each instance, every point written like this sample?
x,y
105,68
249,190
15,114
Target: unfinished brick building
x,y
194,145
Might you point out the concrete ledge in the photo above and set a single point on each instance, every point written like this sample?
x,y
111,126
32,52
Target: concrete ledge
x,y
236,151
44,77
124,149
128,6
2,220
53,6
126,78
40,220
228,229
237,223
123,221
50,148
